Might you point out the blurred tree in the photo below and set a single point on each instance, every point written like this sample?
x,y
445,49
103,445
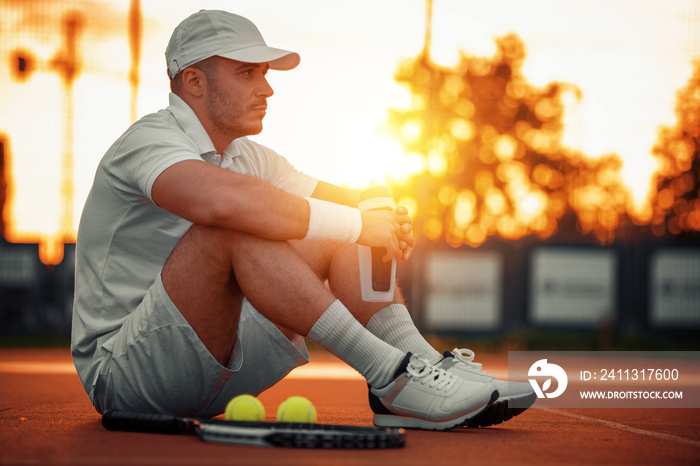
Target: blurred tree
x,y
675,205
493,160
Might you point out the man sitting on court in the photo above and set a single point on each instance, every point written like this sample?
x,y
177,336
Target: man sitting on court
x,y
202,258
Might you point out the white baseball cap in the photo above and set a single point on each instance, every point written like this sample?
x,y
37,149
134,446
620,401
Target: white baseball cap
x,y
213,32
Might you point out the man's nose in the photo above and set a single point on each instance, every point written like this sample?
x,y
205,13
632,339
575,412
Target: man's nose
x,y
265,90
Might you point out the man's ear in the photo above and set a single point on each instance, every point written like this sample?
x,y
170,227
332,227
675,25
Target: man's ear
x,y
194,81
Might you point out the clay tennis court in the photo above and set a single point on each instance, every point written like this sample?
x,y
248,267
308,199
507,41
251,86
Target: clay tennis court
x,y
46,418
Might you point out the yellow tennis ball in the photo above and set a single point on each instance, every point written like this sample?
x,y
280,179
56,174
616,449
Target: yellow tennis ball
x,y
296,409
245,408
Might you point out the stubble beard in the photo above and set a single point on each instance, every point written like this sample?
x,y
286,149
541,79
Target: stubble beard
x,y
226,113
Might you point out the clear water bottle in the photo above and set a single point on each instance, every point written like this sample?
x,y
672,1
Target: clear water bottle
x,y
376,277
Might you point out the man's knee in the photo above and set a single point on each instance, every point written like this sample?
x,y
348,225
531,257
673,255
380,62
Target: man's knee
x,y
216,244
206,237
320,254
201,239
205,259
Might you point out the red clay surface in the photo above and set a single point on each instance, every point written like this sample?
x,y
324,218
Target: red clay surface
x,y
46,418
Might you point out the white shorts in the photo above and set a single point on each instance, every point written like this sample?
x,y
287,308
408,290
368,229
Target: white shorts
x,y
158,364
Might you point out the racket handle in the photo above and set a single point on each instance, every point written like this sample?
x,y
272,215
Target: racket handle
x,y
146,422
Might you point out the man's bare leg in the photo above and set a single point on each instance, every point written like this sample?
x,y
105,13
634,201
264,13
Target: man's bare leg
x,y
210,271
390,321
338,263
209,268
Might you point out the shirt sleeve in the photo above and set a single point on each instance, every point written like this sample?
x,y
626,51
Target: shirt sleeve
x,y
143,156
268,165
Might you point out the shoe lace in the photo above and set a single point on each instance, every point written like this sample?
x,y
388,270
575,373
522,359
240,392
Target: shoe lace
x,y
430,375
466,356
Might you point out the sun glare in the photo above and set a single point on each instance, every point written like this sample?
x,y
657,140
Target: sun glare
x,y
370,157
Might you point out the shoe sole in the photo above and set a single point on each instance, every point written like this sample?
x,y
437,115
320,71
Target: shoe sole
x,y
387,420
500,411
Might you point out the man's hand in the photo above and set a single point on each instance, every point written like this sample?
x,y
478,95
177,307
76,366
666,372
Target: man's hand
x,y
405,234
389,230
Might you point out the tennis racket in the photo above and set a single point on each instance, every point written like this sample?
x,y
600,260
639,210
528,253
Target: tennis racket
x,y
260,434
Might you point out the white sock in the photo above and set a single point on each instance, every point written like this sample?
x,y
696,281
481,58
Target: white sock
x,y
339,332
394,325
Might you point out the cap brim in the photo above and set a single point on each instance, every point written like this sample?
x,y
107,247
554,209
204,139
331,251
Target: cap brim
x,y
277,58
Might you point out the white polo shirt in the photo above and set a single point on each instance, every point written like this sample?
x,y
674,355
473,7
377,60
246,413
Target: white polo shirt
x,y
124,239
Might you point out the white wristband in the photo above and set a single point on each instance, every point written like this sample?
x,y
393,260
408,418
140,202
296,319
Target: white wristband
x,y
331,221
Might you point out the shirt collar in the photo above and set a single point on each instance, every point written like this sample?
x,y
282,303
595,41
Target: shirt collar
x,y
184,114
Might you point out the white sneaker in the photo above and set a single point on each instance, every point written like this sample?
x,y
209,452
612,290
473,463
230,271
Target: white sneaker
x,y
422,396
514,397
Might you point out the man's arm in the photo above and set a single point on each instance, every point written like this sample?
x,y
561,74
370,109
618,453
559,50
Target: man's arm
x,y
207,195
339,195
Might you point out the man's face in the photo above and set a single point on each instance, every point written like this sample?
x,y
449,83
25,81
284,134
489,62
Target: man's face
x,y
237,97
